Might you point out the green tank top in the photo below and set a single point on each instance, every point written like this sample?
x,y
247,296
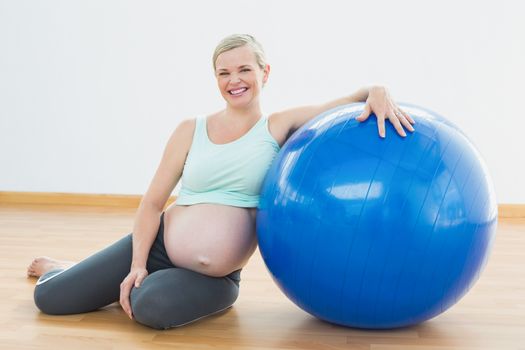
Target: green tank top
x,y
231,173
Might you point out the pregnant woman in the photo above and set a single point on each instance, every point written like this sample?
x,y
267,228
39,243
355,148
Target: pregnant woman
x,y
184,264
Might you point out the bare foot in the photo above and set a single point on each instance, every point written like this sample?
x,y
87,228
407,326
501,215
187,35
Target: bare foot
x,y
43,264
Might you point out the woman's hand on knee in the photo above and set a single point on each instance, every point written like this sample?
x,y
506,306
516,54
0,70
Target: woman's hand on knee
x,y
133,279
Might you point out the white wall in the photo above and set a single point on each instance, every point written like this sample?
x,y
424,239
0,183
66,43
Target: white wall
x,y
91,90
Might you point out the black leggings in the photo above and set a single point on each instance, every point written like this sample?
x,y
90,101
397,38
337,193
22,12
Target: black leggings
x,y
168,297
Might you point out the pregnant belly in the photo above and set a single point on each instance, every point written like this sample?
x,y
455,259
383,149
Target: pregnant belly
x,y
211,239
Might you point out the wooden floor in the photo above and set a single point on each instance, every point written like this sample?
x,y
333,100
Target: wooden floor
x,y
491,316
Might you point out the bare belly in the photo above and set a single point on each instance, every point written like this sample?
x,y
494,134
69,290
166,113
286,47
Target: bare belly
x,y
212,239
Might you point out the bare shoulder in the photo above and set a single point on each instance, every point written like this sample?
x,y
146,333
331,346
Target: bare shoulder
x,y
183,133
187,127
171,165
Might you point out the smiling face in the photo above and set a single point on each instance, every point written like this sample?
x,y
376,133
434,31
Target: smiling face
x,y
239,77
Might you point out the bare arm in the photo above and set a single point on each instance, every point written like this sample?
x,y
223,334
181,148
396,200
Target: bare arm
x,y
301,115
166,178
147,217
377,100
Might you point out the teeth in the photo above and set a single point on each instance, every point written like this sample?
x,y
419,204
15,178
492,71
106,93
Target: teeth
x,y
236,92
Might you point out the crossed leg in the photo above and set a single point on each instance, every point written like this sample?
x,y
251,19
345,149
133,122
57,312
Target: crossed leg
x,y
174,297
168,297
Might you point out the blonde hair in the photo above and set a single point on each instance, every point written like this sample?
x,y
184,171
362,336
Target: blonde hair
x,y
237,40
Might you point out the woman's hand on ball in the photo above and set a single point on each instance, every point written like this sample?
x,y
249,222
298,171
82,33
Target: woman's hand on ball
x,y
381,104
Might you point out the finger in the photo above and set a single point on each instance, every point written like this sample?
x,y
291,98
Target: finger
x,y
366,113
124,298
139,280
397,125
407,116
381,125
405,122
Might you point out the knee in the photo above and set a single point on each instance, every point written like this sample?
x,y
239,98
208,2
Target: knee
x,y
150,309
43,300
47,299
175,297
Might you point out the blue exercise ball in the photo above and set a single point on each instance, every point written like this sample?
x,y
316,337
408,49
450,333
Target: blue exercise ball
x,y
376,233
